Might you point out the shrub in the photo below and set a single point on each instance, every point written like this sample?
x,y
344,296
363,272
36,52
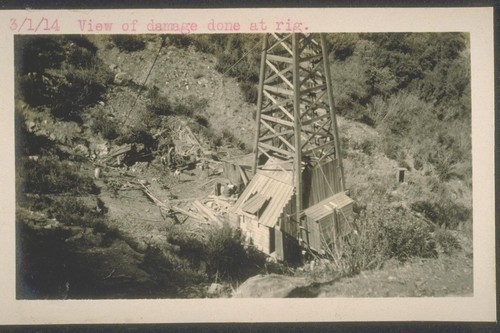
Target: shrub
x,y
222,250
408,238
201,120
35,90
48,175
160,105
443,212
79,89
77,78
446,241
128,43
170,270
81,57
179,40
82,41
193,104
72,211
380,236
35,53
363,250
102,124
249,91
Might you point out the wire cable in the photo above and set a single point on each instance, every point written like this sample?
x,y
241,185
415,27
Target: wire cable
x,y
145,80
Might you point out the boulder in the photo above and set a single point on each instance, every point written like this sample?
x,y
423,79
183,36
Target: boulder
x,y
269,286
122,78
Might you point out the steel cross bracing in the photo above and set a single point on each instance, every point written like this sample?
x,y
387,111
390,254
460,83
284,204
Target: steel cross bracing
x,y
296,119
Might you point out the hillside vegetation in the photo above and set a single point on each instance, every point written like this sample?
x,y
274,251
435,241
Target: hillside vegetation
x,y
403,101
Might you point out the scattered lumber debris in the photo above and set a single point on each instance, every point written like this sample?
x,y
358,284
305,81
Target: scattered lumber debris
x,y
126,153
204,210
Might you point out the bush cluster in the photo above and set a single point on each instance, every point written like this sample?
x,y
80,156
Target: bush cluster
x,y
72,211
128,43
101,123
60,73
380,236
414,88
446,241
442,212
48,175
222,250
161,105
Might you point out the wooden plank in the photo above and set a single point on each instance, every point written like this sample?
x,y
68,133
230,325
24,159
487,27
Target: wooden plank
x,y
308,90
338,151
278,244
281,138
278,74
259,101
207,211
278,90
313,120
297,127
280,42
243,175
273,57
185,212
313,72
276,149
275,135
325,145
279,105
276,120
317,134
272,77
311,58
193,136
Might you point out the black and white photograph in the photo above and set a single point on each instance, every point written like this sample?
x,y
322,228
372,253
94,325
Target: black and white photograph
x,y
250,165
289,164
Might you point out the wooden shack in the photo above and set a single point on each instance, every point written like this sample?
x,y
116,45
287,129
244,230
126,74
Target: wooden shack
x,y
262,210
265,212
328,221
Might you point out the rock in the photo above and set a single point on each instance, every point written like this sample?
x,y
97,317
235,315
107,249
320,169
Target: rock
x,y
102,149
81,149
31,126
122,78
113,67
215,288
269,286
141,246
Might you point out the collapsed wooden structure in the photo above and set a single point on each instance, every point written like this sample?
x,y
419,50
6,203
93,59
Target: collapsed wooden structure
x,y
296,197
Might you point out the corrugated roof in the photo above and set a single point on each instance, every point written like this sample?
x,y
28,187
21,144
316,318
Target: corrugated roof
x,y
275,185
328,206
254,204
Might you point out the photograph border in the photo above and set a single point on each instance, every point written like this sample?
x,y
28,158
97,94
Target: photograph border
x,y
479,20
